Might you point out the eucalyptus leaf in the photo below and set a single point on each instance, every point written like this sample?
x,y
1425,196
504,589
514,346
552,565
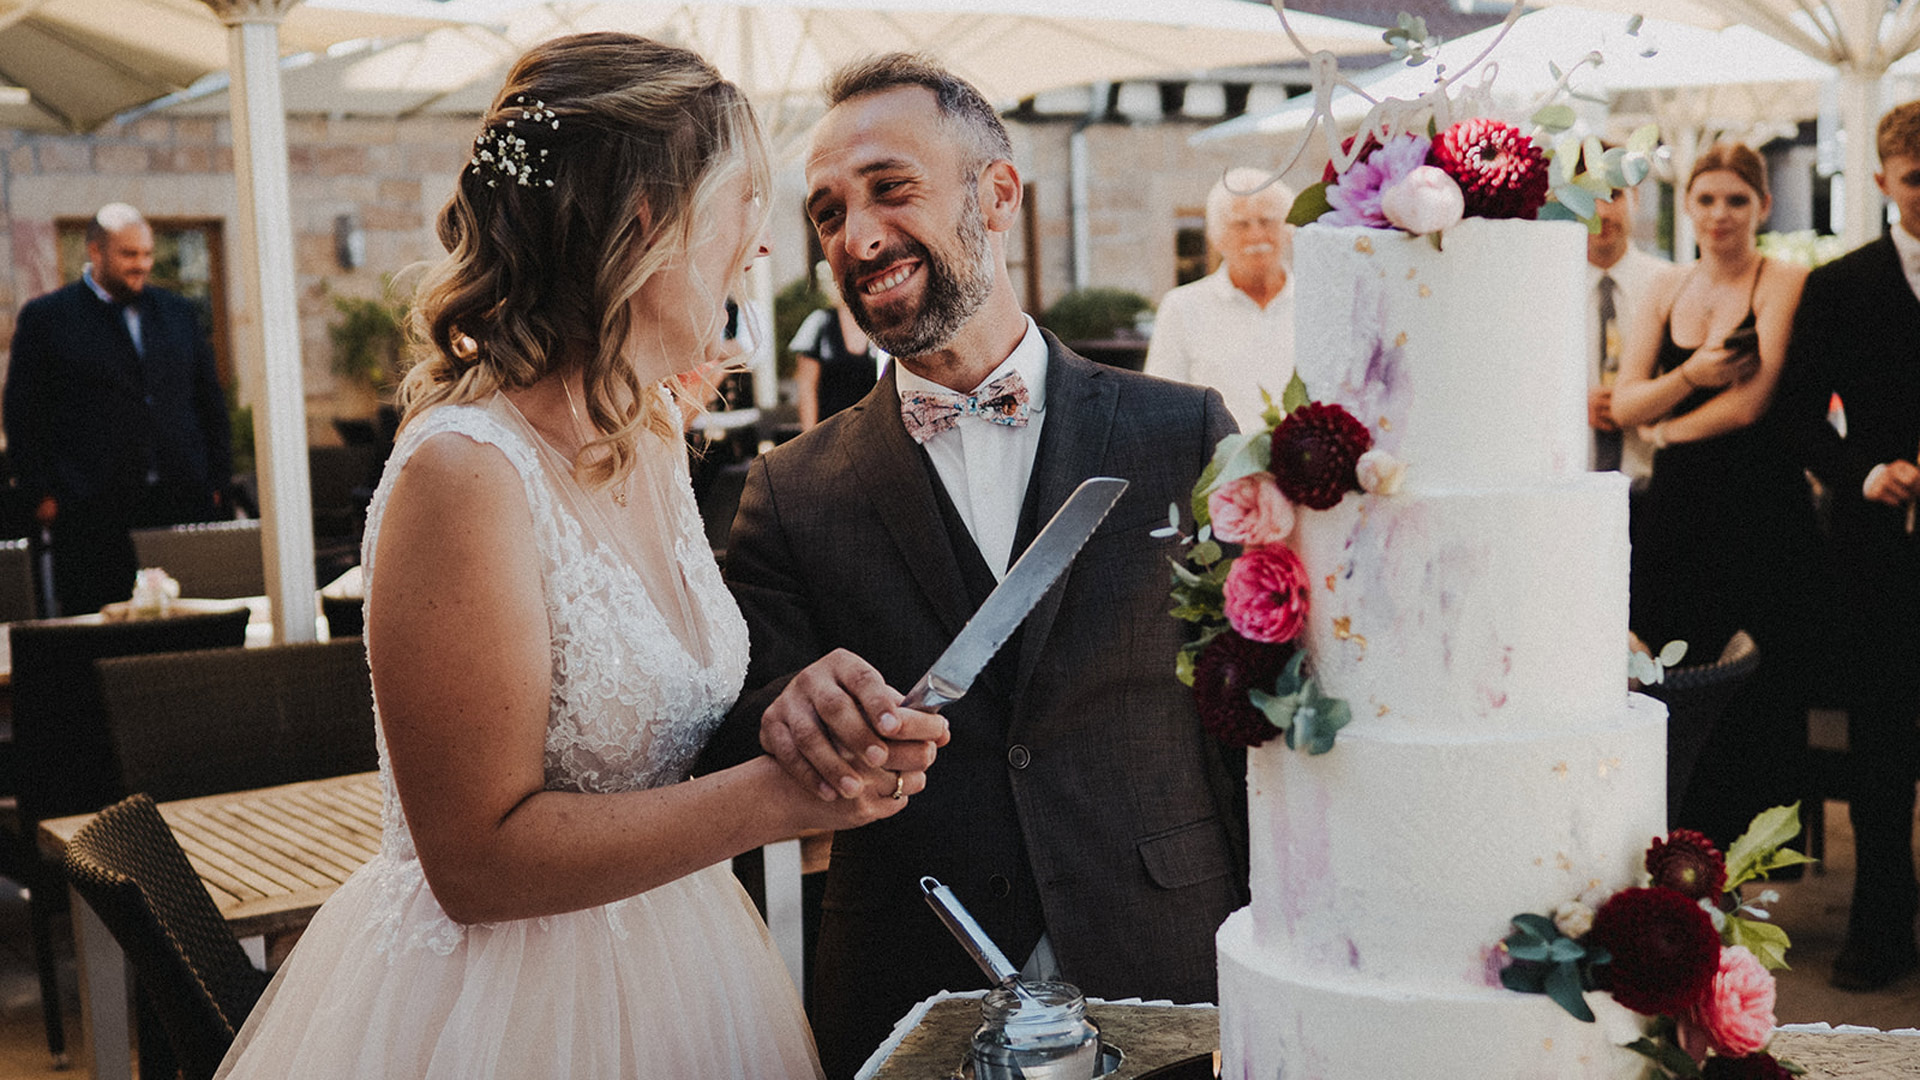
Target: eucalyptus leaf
x,y
1536,926
1633,24
1566,156
1165,531
1554,70
1204,534
1184,576
1565,949
1672,653
1644,139
1554,211
1563,986
1309,205
1526,978
1578,200
1306,727
1594,184
1555,118
1173,515
1206,553
1294,396
1634,168
1278,709
1591,151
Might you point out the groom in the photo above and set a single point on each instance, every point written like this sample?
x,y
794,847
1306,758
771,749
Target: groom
x,y
1079,810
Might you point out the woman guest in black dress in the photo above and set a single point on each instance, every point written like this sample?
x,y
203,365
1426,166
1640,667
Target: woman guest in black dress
x,y
835,364
1724,540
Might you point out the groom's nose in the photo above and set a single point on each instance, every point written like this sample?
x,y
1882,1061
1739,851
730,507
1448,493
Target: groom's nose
x,y
864,234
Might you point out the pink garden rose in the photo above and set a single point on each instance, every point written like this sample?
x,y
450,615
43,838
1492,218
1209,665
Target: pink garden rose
x,y
1251,511
1737,1013
1266,594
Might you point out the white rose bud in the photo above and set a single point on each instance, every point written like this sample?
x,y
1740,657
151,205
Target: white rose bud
x,y
1379,472
1573,919
1426,200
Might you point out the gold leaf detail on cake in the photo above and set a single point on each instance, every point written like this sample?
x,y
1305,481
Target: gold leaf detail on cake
x,y
1560,860
1425,291
1330,580
1608,766
1363,245
1412,272
1383,711
1560,769
1547,1043
1400,340
1539,862
1343,631
1386,424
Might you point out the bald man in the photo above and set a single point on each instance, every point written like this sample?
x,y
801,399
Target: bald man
x,y
114,415
1233,329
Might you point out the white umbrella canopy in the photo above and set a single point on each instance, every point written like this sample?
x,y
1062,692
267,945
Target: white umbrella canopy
x,y
1688,75
81,62
780,51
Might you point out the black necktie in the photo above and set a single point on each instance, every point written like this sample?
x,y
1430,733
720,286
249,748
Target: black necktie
x,y
1606,444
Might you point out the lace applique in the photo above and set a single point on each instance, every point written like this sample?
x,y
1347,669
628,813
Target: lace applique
x,y
630,707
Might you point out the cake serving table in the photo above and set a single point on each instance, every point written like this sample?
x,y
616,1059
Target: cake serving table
x,y
930,1042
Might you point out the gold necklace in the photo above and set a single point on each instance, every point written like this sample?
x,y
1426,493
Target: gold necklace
x,y
620,493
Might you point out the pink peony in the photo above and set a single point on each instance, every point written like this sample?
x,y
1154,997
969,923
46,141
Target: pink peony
x,y
1355,197
1266,594
1251,511
1426,200
1737,1013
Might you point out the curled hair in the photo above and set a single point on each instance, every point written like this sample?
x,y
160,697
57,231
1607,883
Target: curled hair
x,y
637,139
1737,158
1239,183
1898,134
962,106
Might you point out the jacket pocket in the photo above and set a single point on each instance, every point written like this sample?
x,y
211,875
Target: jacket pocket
x,y
1187,855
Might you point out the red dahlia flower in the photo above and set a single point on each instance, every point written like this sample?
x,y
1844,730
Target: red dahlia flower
x,y
1664,948
1687,862
1757,1066
1315,450
1500,171
1224,671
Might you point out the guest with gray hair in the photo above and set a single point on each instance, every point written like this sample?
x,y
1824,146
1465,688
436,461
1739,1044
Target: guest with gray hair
x,y
114,415
1233,329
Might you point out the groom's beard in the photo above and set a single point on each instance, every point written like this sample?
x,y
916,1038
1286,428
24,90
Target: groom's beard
x,y
956,288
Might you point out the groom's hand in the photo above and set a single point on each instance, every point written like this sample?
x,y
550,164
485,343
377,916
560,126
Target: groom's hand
x,y
839,710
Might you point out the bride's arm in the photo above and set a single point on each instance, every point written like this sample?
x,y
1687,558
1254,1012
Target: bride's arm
x,y
458,638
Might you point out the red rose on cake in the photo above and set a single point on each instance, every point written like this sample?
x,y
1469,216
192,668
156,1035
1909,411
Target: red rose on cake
x,y
1266,595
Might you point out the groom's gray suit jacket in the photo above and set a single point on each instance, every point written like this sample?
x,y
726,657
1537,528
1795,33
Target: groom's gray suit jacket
x,y
1079,795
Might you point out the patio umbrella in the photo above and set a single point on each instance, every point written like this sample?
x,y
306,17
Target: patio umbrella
x,y
1860,39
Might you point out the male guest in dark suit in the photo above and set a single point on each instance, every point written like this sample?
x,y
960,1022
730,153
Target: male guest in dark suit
x,y
114,414
1858,334
1079,810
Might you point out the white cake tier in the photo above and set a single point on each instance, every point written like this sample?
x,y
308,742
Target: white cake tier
x,y
1279,1021
1468,363
1398,858
1472,610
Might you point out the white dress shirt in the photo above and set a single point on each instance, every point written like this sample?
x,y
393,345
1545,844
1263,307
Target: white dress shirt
x,y
1213,334
1633,277
985,466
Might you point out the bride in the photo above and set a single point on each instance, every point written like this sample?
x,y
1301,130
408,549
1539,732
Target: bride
x,y
550,640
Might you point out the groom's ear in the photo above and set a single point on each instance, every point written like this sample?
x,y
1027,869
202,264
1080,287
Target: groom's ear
x,y
1000,195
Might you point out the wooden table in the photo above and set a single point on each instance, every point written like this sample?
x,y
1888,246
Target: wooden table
x,y
268,858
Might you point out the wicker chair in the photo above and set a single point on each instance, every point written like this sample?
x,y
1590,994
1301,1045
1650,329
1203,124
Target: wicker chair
x,y
1696,695
65,762
130,870
184,725
217,560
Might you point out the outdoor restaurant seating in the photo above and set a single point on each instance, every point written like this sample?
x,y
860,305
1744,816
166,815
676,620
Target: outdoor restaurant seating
x,y
65,763
129,868
188,724
16,581
215,560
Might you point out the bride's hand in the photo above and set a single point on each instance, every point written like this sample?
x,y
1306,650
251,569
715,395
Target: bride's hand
x,y
877,799
837,721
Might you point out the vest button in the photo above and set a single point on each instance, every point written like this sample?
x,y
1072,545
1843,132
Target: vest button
x,y
999,886
1019,757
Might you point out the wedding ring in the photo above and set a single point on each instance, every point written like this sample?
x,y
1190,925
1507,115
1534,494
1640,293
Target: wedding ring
x,y
899,785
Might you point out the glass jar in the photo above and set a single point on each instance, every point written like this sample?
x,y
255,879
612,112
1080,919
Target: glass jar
x,y
1047,1038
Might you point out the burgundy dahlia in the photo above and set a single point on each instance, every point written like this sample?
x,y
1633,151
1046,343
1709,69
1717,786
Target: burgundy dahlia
x,y
1315,450
1366,151
1756,1066
1500,171
1664,948
1224,671
1687,862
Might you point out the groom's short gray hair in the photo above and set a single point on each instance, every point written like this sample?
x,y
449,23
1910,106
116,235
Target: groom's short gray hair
x,y
961,103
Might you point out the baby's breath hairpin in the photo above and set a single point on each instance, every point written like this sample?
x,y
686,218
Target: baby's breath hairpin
x,y
503,147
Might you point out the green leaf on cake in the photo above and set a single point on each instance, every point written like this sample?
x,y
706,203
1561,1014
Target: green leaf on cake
x,y
1563,986
1767,942
1294,396
1309,205
1673,653
1758,849
1555,118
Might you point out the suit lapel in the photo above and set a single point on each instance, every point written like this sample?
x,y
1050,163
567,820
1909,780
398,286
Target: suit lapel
x,y
1073,446
1904,309
895,479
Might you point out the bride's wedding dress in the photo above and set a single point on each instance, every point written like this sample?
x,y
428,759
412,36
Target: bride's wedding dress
x,y
680,981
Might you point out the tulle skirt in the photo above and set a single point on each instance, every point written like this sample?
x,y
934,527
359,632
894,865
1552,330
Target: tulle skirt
x,y
681,981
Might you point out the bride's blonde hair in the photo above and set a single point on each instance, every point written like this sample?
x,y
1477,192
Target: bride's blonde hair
x,y
600,162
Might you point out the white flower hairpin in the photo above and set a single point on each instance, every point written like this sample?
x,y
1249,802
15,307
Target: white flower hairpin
x,y
503,147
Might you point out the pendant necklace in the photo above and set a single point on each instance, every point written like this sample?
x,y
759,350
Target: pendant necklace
x,y
620,493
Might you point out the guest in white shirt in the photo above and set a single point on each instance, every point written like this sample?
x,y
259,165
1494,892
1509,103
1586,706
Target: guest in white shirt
x,y
1618,276
1233,329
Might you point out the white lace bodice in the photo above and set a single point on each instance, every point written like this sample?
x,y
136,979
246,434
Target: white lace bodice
x,y
631,706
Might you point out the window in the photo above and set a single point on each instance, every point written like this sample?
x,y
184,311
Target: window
x,y
1190,262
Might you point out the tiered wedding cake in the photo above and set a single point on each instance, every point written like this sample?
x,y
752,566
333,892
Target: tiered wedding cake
x,y
1475,621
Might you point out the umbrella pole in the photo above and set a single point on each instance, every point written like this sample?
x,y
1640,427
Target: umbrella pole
x,y
1859,115
273,318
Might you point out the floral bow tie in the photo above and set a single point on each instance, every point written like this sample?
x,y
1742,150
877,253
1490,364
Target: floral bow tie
x,y
929,412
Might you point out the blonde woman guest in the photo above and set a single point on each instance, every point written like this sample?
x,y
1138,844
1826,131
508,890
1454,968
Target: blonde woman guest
x,y
551,644
1723,540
